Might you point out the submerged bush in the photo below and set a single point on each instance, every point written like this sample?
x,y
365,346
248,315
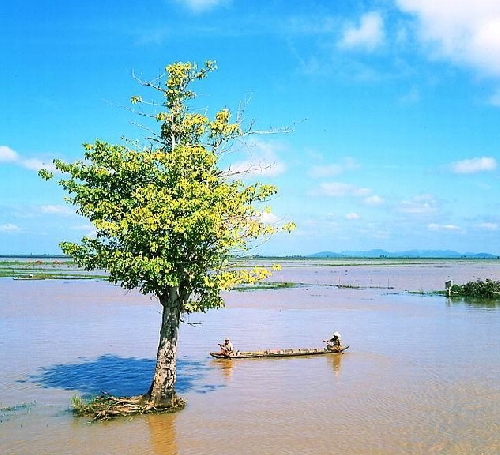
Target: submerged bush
x,y
489,289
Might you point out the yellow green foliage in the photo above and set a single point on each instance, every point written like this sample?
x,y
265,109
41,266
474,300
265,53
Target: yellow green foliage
x,y
166,215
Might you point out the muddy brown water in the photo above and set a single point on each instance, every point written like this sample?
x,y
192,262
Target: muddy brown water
x,y
421,375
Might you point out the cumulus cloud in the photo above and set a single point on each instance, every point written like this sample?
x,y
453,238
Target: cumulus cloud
x,y
470,166
487,226
57,210
338,189
367,35
36,165
9,228
260,168
442,227
87,230
466,32
269,218
424,204
201,5
329,170
263,160
83,227
311,25
373,200
352,216
495,98
411,97
7,155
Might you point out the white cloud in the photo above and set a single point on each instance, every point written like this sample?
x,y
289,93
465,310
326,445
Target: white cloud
x,y
373,200
9,228
312,25
368,35
87,230
419,205
411,97
488,226
442,227
338,189
7,154
83,227
57,210
466,32
263,160
261,168
329,170
495,98
473,165
269,218
201,5
352,216
36,165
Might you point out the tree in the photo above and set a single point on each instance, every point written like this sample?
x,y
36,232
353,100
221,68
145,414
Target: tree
x,y
168,219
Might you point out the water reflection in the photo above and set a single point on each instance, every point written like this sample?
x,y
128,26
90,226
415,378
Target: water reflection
x,y
163,434
475,302
225,366
335,361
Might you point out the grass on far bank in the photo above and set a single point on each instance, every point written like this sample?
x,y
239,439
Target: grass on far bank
x,y
43,270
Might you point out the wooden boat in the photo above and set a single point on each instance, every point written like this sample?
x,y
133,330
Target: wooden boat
x,y
280,353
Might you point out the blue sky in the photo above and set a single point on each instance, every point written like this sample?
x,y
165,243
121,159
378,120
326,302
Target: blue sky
x,y
395,107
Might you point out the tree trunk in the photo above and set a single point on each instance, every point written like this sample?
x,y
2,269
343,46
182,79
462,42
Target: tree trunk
x,y
162,390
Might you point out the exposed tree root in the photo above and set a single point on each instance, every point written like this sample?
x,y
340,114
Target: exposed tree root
x,y
106,407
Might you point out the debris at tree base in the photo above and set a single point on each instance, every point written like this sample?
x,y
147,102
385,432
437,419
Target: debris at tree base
x,y
106,406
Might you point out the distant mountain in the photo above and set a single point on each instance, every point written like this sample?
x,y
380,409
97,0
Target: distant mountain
x,y
377,253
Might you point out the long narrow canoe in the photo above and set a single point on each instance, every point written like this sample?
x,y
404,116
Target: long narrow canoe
x,y
280,353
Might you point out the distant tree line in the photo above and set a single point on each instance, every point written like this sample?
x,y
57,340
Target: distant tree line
x,y
486,289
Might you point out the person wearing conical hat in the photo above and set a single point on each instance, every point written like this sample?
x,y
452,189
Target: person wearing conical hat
x,y
335,340
226,348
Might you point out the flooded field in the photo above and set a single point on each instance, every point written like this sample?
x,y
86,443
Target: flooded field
x,y
421,375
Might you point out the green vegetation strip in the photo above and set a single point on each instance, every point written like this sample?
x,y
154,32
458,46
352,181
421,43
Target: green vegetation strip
x,y
43,270
9,412
487,290
268,285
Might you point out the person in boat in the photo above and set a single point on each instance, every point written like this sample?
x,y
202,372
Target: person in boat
x,y
226,348
335,341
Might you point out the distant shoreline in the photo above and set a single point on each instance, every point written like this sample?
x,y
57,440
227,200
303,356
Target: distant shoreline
x,y
312,257
34,256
